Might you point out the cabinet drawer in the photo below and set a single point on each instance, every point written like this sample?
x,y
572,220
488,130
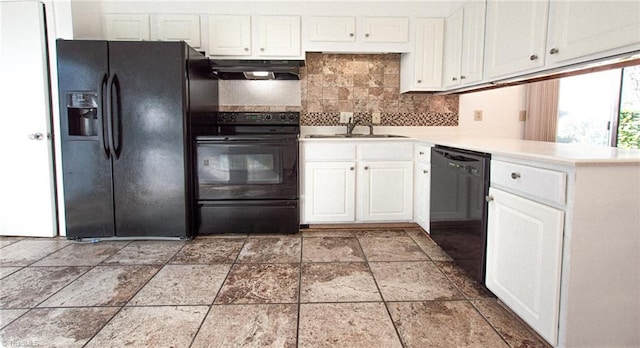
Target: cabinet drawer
x,y
423,153
390,151
329,151
545,184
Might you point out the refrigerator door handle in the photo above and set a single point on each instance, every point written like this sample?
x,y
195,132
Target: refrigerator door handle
x,y
110,115
101,114
117,126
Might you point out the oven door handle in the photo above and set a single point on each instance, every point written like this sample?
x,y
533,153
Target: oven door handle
x,y
245,140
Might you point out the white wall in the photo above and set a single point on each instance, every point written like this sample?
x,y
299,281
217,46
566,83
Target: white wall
x,y
500,108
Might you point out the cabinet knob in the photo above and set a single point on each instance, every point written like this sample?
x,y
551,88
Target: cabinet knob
x,y
488,198
419,81
352,168
533,57
262,49
425,171
515,176
246,49
366,35
366,168
554,51
462,77
351,34
454,79
421,153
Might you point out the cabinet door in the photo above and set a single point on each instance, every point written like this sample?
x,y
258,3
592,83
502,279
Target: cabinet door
x,y
472,59
385,191
428,53
126,27
385,29
524,255
179,28
332,29
229,35
516,32
279,35
422,197
579,28
452,48
329,192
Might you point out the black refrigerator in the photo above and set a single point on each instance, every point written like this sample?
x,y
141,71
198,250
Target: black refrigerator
x,y
125,110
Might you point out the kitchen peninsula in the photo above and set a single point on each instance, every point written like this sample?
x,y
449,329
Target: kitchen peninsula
x,y
576,283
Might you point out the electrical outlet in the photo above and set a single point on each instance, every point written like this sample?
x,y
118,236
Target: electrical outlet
x,y
522,116
375,117
345,116
477,115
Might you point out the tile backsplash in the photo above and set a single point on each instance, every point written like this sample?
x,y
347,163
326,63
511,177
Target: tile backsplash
x,y
362,84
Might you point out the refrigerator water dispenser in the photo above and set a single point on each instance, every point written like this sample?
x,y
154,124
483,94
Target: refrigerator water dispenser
x,y
82,113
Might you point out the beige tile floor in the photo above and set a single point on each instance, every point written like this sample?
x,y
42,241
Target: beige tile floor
x,y
391,287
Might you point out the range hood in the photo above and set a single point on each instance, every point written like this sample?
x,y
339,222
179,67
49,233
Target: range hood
x,y
257,69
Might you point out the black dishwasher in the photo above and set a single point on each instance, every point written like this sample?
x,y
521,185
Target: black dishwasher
x,y
459,185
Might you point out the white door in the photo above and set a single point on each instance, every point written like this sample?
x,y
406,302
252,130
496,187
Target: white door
x,y
329,190
385,190
524,256
27,198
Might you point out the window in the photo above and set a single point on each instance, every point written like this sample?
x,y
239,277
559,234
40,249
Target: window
x,y
601,108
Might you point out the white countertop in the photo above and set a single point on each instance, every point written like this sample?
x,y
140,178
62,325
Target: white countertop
x,y
568,154
574,154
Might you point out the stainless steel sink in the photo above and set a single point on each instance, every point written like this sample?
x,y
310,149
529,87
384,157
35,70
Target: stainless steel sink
x,y
344,135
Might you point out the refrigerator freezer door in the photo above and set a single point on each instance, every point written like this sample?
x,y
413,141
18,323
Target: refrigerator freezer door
x,y
149,136
88,194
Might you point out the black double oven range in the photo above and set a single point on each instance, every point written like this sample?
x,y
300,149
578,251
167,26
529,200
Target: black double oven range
x,y
247,173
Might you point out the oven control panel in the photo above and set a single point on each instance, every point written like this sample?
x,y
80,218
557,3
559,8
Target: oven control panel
x,y
258,118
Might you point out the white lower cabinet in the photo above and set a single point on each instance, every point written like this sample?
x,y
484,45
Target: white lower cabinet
x,y
385,190
524,259
330,191
421,201
372,184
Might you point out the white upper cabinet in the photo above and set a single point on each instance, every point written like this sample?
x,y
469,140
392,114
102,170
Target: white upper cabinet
x,y
581,28
473,25
276,36
179,28
515,40
126,27
229,35
335,29
452,48
385,29
422,69
279,35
